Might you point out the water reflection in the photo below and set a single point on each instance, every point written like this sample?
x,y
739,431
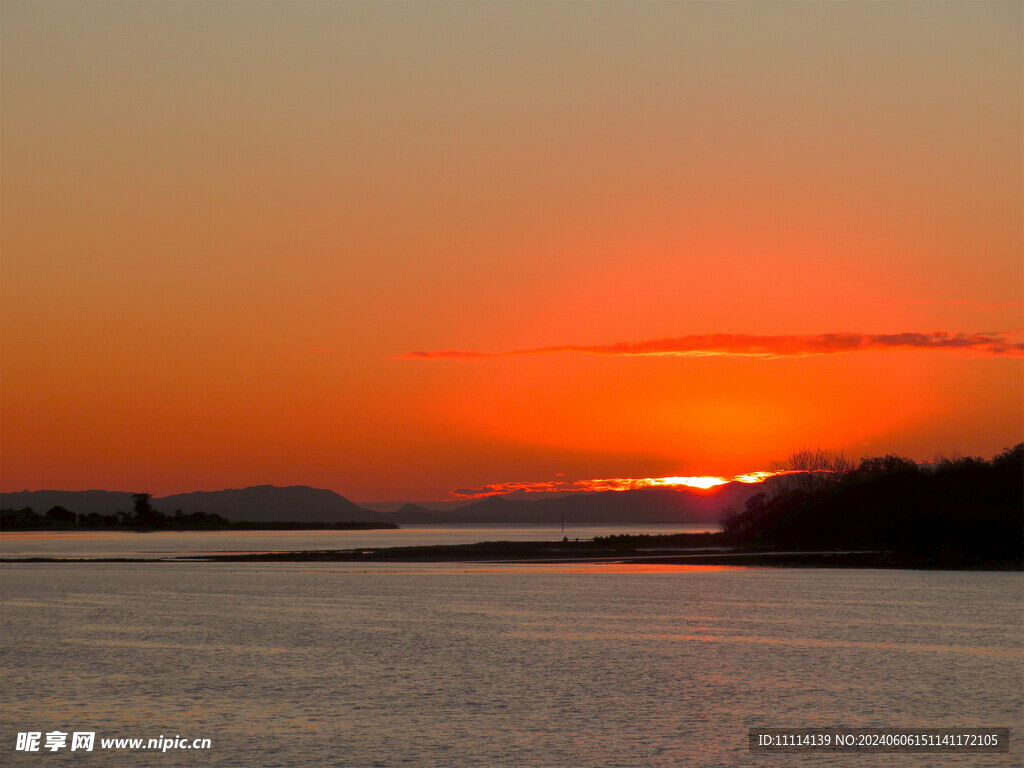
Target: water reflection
x,y
535,666
168,543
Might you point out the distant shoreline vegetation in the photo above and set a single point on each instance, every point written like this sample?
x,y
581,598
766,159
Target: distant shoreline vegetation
x,y
144,518
954,512
885,511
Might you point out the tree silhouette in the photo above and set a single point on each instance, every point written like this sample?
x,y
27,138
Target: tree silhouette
x,y
60,517
144,514
811,468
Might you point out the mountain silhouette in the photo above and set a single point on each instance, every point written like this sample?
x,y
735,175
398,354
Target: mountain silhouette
x,y
261,503
80,502
265,503
645,505
300,503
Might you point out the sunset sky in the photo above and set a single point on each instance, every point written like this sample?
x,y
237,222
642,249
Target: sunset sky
x,y
396,249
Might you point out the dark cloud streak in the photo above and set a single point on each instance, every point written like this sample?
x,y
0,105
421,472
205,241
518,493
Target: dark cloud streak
x,y
997,344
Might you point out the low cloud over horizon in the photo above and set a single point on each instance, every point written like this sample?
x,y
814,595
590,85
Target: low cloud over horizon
x,y
703,482
995,344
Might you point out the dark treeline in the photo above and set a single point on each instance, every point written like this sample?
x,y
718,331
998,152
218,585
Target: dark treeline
x,y
144,518
660,540
953,512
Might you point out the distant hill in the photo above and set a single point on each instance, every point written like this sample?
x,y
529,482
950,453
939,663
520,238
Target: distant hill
x,y
79,502
266,503
646,505
262,503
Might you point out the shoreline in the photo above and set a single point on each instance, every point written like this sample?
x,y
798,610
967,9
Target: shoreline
x,y
548,553
276,526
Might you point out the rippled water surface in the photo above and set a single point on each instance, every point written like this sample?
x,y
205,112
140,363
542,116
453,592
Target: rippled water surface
x,y
537,666
158,544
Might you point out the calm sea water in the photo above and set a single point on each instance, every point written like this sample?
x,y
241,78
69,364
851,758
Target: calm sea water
x,y
442,665
163,544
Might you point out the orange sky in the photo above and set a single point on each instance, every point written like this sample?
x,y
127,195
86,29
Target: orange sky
x,y
226,227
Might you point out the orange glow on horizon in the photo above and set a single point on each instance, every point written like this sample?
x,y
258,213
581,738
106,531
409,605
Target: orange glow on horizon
x,y
700,482
705,481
